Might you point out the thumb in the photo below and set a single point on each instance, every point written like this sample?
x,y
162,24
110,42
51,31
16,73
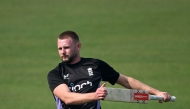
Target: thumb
x,y
103,85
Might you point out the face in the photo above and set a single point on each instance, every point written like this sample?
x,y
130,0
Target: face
x,y
68,50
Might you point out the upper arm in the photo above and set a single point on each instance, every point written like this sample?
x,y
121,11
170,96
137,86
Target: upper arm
x,y
72,98
61,90
55,78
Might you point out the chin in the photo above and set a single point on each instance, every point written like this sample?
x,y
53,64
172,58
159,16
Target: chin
x,y
65,60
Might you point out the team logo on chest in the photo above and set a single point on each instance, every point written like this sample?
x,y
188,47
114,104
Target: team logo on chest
x,y
66,76
90,72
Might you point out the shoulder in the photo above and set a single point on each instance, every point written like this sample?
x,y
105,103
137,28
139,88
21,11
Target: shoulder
x,y
92,60
55,70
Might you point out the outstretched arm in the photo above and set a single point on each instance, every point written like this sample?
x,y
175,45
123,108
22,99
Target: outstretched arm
x,y
131,83
62,91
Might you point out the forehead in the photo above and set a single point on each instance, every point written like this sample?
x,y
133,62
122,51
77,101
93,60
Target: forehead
x,y
64,42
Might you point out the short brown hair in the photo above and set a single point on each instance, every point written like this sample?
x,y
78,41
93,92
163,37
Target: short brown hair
x,y
70,34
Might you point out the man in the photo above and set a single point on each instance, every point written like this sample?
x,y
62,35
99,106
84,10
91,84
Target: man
x,y
75,82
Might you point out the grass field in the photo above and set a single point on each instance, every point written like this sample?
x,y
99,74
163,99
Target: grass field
x,y
148,40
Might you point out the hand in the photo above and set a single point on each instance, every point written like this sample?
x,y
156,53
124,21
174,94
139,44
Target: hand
x,y
165,95
101,92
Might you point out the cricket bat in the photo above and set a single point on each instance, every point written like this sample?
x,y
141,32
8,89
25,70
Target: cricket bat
x,y
131,95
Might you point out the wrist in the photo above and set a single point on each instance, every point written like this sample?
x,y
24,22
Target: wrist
x,y
92,96
156,92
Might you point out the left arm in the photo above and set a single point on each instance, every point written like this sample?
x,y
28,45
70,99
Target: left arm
x,y
131,83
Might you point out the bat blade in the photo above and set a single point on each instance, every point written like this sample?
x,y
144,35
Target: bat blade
x,y
127,95
131,95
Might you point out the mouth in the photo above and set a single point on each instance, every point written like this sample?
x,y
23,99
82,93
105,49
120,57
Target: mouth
x,y
64,56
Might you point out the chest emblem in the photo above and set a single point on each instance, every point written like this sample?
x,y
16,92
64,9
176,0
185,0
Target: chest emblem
x,y
66,76
90,72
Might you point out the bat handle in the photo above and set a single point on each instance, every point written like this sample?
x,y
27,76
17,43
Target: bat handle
x,y
154,97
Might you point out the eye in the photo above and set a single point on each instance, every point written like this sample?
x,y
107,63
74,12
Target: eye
x,y
66,47
60,48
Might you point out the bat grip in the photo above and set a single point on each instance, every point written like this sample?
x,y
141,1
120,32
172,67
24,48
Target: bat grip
x,y
154,97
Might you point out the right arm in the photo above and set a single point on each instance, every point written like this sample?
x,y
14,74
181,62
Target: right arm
x,y
71,98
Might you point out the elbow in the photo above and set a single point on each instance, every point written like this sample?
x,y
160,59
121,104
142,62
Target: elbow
x,y
68,102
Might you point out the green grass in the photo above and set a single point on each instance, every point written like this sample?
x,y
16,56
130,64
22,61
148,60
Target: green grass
x,y
148,40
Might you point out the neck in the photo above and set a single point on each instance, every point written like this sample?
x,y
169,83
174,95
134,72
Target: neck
x,y
76,60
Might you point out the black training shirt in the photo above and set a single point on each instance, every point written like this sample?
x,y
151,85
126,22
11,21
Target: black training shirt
x,y
82,77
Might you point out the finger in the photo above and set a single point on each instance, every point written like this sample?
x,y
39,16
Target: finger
x,y
167,97
160,101
103,85
103,96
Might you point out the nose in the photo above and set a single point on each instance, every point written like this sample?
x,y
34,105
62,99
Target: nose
x,y
62,51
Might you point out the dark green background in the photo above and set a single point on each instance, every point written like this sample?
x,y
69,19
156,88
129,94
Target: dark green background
x,y
148,40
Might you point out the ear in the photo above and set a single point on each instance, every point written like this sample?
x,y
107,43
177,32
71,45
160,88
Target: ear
x,y
79,46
